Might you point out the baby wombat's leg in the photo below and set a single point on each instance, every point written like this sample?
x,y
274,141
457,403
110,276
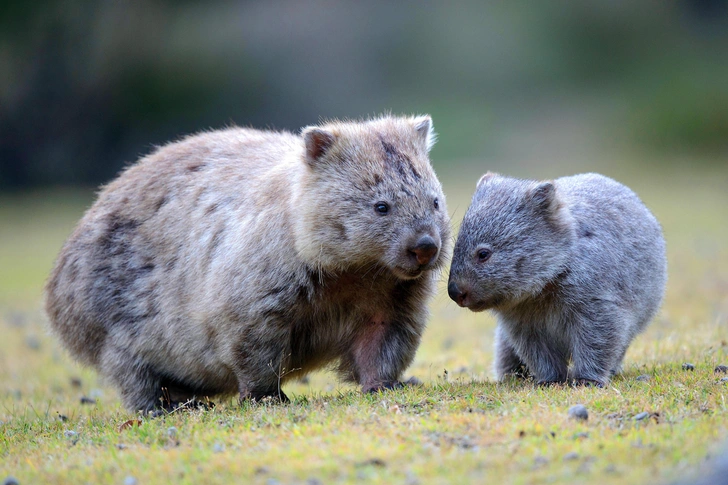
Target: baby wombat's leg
x,y
544,357
380,353
507,362
597,346
139,386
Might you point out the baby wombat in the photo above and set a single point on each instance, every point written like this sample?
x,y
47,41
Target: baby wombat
x,y
574,269
234,260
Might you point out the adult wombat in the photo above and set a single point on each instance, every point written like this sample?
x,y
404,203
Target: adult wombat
x,y
234,260
574,269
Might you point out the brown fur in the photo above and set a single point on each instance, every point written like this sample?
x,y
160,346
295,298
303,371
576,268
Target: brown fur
x,y
234,260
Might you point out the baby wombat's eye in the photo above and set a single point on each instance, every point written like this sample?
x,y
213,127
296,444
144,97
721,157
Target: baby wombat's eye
x,y
484,255
437,203
381,207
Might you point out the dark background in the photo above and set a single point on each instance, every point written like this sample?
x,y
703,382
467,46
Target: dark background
x,y
87,87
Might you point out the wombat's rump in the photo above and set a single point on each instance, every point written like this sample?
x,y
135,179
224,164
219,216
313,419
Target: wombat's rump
x,y
234,260
574,269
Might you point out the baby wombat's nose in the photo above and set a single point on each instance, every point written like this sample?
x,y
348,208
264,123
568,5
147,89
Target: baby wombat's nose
x,y
455,294
424,250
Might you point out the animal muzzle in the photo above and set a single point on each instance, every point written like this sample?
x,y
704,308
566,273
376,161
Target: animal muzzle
x,y
424,250
457,294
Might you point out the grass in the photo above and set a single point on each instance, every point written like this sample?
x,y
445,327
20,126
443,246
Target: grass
x,y
458,427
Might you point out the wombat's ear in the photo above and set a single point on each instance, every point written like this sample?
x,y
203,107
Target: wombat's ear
x,y
543,196
318,141
423,127
485,178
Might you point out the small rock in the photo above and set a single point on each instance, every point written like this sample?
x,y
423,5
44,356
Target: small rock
x,y
579,412
378,462
644,377
87,400
261,470
572,455
72,436
121,446
272,481
218,448
642,415
11,481
172,432
130,480
32,342
724,379
95,393
721,369
688,366
611,468
314,481
540,461
76,382
581,436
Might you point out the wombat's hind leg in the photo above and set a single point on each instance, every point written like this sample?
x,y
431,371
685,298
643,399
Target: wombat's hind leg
x,y
140,387
595,355
507,362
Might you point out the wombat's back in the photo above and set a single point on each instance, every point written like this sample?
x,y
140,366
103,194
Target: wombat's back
x,y
619,245
150,226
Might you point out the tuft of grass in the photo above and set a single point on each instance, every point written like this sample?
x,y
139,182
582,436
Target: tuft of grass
x,y
458,427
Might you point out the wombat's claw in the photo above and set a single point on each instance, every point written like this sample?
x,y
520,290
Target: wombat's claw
x,y
586,382
384,386
549,383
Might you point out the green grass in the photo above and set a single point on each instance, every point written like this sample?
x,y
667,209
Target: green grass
x,y
458,427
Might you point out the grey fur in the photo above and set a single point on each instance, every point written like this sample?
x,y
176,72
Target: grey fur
x,y
576,270
232,261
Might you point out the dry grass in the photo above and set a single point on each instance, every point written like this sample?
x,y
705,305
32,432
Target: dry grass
x,y
458,427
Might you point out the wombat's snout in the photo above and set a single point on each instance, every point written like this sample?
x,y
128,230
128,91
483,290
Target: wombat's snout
x,y
456,294
424,250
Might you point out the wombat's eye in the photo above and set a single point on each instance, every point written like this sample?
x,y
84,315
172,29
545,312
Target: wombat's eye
x,y
437,203
484,255
381,207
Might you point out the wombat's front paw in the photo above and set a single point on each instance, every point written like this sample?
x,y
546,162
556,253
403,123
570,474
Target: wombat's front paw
x,y
382,386
266,397
549,383
586,382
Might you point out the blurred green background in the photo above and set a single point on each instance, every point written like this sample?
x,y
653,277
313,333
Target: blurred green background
x,y
86,87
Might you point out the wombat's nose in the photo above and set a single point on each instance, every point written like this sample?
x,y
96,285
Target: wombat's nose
x,y
455,294
424,250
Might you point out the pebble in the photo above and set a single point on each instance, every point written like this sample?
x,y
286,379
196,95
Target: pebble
x,y
572,455
578,411
642,415
172,432
688,366
32,342
218,447
130,480
581,435
72,436
724,379
721,368
11,481
644,377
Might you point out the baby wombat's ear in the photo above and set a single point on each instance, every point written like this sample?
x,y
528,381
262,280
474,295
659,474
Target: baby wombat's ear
x,y
485,179
423,127
318,141
544,196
